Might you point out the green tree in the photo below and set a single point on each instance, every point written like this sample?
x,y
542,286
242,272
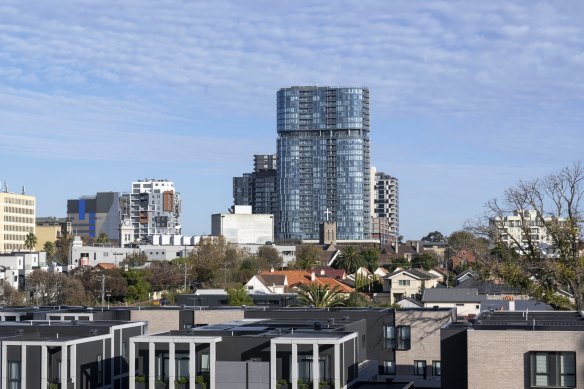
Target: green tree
x,y
246,270
435,236
102,238
556,204
307,256
399,262
371,256
349,260
91,278
30,241
165,276
63,245
426,261
138,287
135,260
207,259
271,256
49,248
320,296
238,296
357,299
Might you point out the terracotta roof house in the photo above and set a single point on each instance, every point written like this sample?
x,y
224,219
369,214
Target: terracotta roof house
x,y
106,266
296,278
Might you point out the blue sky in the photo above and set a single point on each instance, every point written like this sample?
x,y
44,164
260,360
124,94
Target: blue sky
x,y
467,98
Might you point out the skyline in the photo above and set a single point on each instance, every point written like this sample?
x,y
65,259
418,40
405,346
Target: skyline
x,y
466,98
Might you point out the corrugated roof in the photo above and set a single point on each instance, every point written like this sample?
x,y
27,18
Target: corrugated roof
x,y
451,295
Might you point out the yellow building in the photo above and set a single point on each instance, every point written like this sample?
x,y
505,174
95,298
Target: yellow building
x,y
17,219
50,229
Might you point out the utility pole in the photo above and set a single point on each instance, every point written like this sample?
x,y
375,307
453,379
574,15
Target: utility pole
x,y
102,290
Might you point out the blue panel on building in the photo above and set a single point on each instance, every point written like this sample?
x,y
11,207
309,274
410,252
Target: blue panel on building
x,y
81,209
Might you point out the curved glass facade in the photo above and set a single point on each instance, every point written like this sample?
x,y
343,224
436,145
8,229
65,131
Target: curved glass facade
x,y
323,154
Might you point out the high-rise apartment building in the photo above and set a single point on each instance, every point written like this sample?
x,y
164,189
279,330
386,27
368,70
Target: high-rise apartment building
x,y
153,207
323,161
386,212
258,189
93,215
17,220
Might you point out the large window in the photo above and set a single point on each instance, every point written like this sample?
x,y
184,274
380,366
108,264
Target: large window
x,y
14,375
420,368
403,337
436,368
389,367
389,336
553,369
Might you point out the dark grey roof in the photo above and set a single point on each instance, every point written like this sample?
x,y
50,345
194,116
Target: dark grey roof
x,y
529,320
488,287
451,295
520,305
416,273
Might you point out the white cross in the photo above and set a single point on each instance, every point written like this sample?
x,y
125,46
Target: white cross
x,y
327,213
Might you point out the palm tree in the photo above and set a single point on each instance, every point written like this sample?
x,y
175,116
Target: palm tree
x,y
30,241
49,248
320,295
350,260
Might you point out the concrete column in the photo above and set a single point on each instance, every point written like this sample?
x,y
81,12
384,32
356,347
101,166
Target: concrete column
x,y
73,364
212,363
4,360
273,371
64,370
294,370
315,367
151,365
171,364
192,365
22,366
44,366
337,363
132,361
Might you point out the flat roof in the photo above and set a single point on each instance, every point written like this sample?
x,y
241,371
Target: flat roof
x,y
528,320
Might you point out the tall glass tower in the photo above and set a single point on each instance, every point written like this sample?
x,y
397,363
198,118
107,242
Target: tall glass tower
x,y
323,161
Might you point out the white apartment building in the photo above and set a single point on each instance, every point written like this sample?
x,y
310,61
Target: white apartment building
x,y
153,207
515,229
243,227
17,220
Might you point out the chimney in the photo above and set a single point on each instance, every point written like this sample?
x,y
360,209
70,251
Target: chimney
x,y
418,246
272,269
322,272
312,276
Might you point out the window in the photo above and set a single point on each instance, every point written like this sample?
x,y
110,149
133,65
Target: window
x,y
404,282
389,336
389,367
420,368
553,369
99,370
204,362
403,337
13,374
436,368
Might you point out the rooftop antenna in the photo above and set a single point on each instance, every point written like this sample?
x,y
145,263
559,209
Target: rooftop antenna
x,y
5,187
23,189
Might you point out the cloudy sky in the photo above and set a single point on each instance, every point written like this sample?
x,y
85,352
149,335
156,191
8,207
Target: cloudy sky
x,y
467,98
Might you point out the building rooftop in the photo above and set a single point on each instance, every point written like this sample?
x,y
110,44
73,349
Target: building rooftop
x,y
528,321
451,295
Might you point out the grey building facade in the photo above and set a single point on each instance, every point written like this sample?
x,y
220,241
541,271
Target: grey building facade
x,y
93,215
323,161
258,188
386,208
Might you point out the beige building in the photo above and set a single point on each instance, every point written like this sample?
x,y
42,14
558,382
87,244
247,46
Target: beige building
x,y
408,283
50,229
17,219
518,229
514,350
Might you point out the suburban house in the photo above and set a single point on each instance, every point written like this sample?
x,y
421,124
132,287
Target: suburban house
x,y
514,350
295,278
408,283
467,301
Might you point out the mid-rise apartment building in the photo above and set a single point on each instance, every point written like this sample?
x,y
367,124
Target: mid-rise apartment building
x,y
93,215
323,156
153,207
385,219
258,189
521,227
17,220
